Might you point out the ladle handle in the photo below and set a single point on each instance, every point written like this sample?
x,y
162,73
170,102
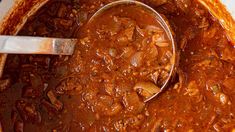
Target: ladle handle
x,y
36,45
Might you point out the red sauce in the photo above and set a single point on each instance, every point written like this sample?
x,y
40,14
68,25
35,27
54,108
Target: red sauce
x,y
94,90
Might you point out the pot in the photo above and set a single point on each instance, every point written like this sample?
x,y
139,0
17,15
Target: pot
x,y
16,12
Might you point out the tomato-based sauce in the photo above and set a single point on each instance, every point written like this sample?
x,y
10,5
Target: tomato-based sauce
x,y
122,58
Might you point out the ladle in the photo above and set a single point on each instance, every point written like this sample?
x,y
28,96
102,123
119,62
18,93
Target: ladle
x,y
160,20
58,46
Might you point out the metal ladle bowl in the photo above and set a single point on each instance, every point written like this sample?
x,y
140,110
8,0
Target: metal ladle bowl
x,y
160,20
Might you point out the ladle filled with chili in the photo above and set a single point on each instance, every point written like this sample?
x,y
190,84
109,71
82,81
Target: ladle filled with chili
x,y
143,35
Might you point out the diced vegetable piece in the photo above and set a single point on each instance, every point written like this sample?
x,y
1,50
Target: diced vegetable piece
x,y
137,59
140,31
223,99
160,40
146,89
216,89
162,44
155,76
213,86
113,52
153,29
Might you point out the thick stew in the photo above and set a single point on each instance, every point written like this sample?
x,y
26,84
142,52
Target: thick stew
x,y
122,59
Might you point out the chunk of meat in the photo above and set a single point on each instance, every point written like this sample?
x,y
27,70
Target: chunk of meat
x,y
126,22
151,52
109,88
157,3
82,17
4,84
211,62
62,11
36,82
129,29
204,23
120,126
63,23
129,32
106,105
42,31
29,92
229,83
155,76
135,121
228,54
217,91
18,126
132,103
28,111
68,85
1,127
192,89
210,33
128,51
162,77
122,88
167,57
183,5
57,103
114,109
49,108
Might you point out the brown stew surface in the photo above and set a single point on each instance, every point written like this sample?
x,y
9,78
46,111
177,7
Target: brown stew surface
x,y
121,60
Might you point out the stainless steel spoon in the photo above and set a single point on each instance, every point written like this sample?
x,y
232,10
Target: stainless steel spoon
x,y
36,45
160,20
